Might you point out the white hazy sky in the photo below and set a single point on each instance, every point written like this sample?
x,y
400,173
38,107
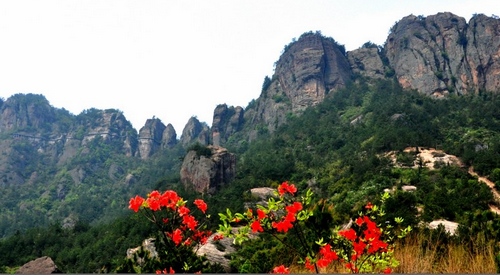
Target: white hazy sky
x,y
177,59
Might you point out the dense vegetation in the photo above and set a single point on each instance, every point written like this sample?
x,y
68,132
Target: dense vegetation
x,y
336,148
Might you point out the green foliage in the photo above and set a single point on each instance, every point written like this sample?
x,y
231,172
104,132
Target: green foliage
x,y
201,150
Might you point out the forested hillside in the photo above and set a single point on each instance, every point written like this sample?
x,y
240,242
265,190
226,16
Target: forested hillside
x,y
336,148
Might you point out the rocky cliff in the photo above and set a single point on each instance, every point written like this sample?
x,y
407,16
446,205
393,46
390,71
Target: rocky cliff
x,y
227,121
195,132
154,136
206,173
442,54
305,73
436,55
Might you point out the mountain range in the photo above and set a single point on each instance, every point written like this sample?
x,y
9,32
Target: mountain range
x,y
56,166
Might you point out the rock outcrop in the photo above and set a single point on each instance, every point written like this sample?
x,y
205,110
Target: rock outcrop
x,y
43,265
368,62
206,173
195,132
306,72
442,54
227,121
154,136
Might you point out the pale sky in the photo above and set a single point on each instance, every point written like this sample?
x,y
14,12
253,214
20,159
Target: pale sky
x,y
177,59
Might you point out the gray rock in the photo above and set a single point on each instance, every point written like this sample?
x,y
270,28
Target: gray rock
x,y
43,265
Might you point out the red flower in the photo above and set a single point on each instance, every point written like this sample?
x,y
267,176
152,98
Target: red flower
x,y
218,237
169,199
176,236
369,205
283,226
349,234
154,195
294,208
359,247
201,205
327,253
164,271
281,270
387,270
183,210
135,203
323,263
377,245
309,265
261,214
153,203
352,267
359,221
285,187
256,227
190,222
290,217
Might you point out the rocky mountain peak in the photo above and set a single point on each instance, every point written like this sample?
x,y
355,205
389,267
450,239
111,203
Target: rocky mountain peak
x,y
195,132
442,54
227,121
308,69
22,111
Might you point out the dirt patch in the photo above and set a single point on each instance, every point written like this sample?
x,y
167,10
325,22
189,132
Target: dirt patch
x,y
428,157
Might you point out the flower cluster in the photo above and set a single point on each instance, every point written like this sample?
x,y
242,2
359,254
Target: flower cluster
x,y
278,217
361,248
180,230
180,226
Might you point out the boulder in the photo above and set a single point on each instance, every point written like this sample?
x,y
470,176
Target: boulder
x,y
43,265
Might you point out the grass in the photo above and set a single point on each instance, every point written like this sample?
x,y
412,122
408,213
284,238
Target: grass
x,y
421,254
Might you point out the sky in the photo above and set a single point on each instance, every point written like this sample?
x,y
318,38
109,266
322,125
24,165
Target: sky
x,y
176,59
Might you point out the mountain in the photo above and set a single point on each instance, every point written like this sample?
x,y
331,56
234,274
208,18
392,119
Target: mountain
x,y
438,55
56,166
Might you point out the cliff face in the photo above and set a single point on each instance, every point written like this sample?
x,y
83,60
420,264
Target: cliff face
x,y
206,174
195,132
227,121
442,54
305,73
154,136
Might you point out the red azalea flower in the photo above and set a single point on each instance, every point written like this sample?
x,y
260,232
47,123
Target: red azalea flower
x,y
201,205
369,205
169,199
135,203
294,208
218,237
323,262
327,253
359,221
377,245
256,227
387,270
183,210
261,214
309,265
153,203
349,234
285,187
176,236
290,217
154,194
281,270
283,226
359,247
351,267
190,222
